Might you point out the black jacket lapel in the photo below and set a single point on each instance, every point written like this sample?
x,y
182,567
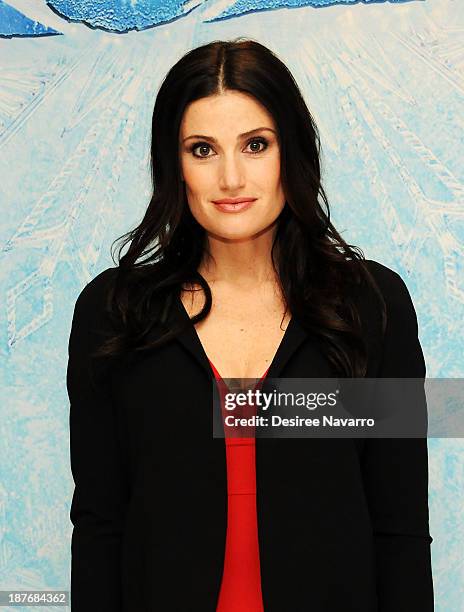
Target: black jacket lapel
x,y
294,335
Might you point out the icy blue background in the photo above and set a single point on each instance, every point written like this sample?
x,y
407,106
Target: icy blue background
x,y
385,82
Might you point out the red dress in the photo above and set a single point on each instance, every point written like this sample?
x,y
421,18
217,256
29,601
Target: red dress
x,y
241,580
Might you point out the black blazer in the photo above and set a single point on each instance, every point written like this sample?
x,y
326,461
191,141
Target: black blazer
x,y
343,524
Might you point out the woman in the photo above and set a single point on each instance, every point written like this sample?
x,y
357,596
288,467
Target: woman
x,y
265,288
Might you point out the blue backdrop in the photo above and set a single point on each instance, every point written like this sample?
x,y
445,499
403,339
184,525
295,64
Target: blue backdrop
x,y
78,79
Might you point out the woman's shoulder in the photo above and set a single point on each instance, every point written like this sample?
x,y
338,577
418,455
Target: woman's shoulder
x,y
92,295
401,317
384,275
391,285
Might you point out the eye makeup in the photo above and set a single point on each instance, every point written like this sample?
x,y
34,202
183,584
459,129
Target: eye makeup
x,y
199,144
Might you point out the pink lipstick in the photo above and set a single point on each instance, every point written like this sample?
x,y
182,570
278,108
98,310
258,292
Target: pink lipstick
x,y
234,204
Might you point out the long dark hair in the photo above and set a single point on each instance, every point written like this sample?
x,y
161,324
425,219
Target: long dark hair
x,y
317,269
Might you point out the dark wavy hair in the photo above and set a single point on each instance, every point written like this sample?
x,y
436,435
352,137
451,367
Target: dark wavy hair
x,y
316,268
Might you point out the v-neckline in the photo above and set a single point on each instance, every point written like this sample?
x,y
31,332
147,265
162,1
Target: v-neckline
x,y
295,335
216,371
281,347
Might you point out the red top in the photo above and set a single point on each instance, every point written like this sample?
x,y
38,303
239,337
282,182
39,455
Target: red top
x,y
241,580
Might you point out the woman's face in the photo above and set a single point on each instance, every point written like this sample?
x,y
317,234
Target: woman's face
x,y
218,160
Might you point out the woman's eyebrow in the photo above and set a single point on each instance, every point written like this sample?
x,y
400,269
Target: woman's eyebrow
x,y
244,135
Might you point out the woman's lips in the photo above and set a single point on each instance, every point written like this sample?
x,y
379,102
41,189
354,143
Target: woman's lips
x,y
237,207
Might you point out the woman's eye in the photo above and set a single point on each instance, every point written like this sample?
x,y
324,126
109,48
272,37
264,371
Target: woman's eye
x,y
259,141
204,145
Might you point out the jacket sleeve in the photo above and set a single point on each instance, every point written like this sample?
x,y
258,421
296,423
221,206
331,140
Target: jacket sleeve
x,y
100,496
395,471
